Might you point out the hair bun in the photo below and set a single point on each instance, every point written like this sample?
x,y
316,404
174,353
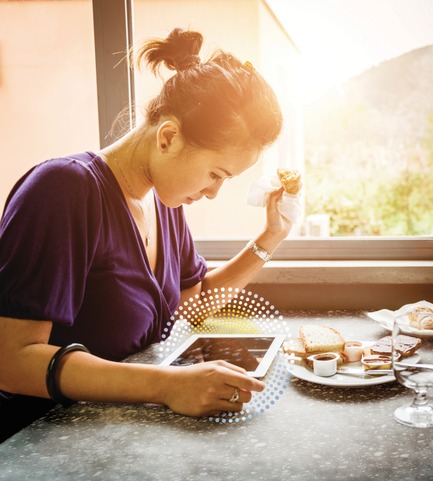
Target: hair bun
x,y
187,62
184,46
179,51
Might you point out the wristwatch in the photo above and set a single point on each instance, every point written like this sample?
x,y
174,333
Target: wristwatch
x,y
258,251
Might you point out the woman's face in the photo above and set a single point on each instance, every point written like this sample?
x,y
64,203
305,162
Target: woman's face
x,y
194,174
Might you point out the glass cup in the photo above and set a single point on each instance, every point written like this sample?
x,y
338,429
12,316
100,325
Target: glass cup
x,y
414,371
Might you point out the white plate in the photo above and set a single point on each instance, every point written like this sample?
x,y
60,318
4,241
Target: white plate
x,y
385,318
302,371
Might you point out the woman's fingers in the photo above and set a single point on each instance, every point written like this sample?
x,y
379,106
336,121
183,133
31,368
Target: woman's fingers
x,y
229,365
275,222
275,195
237,377
207,388
234,394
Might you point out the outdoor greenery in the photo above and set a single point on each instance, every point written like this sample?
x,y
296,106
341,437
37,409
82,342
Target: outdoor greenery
x,y
369,163
372,200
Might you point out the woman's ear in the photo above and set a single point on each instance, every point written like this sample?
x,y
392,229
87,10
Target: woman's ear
x,y
168,137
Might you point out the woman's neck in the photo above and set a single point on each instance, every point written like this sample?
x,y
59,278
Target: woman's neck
x,y
128,158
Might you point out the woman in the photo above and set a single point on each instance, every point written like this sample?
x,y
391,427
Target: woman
x,y
94,248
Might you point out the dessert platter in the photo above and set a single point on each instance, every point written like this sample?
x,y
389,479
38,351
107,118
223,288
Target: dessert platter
x,y
418,318
322,356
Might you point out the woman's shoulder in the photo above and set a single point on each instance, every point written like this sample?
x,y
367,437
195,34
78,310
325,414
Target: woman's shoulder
x,y
58,178
69,168
71,173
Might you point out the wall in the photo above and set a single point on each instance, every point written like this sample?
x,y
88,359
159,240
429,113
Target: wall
x,y
48,103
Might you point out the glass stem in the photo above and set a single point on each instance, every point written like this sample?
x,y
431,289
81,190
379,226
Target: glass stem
x,y
420,398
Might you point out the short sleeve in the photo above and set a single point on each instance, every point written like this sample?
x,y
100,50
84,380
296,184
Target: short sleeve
x,y
48,235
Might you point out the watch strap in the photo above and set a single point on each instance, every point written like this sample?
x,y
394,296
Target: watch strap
x,y
258,251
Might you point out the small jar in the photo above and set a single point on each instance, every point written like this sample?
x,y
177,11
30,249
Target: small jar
x,y
353,350
325,363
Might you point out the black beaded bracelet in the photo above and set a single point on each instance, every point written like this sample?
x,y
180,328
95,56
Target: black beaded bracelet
x,y
52,388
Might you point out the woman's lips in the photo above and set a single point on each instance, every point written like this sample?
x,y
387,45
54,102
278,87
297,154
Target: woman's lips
x,y
190,200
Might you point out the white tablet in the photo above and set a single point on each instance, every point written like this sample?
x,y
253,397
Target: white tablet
x,y
253,352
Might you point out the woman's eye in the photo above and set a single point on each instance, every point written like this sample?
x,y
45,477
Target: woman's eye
x,y
215,176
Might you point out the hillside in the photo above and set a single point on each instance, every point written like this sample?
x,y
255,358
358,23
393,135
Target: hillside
x,y
389,102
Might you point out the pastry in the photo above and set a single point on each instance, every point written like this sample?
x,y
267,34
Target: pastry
x,y
290,180
406,345
377,362
421,317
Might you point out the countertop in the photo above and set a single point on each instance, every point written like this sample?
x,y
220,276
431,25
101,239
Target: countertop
x,y
294,430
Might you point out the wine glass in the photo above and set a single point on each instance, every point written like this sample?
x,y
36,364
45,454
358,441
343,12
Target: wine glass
x,y
414,372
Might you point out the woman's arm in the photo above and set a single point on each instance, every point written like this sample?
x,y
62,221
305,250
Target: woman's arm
x,y
194,390
241,269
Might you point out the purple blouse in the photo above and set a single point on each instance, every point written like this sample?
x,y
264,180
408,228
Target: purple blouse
x,y
70,252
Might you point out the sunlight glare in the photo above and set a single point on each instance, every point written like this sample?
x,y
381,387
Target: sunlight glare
x,y
338,39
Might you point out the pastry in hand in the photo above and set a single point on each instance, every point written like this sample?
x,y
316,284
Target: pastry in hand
x,y
421,317
290,180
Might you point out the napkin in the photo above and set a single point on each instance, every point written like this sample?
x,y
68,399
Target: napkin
x,y
385,317
289,206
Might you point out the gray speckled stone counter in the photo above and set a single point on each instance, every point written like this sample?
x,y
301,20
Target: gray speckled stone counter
x,y
306,431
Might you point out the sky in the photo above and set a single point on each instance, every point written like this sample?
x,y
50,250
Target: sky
x,y
338,39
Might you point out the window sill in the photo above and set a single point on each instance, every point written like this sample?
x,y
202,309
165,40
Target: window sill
x,y
339,272
365,285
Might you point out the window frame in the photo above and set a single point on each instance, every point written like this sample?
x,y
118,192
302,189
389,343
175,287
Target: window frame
x,y
347,248
114,34
113,24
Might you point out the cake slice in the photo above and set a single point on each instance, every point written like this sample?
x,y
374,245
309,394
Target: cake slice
x,y
318,338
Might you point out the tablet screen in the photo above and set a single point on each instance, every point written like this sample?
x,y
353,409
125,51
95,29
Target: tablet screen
x,y
254,353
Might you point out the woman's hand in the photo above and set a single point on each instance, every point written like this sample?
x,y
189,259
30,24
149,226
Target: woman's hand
x,y
276,224
205,388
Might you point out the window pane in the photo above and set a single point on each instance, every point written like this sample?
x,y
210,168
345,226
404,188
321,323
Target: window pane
x,y
47,84
368,77
364,137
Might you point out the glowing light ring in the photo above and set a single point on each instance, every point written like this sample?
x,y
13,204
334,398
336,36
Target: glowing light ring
x,y
231,311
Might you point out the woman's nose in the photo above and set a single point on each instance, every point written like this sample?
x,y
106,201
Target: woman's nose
x,y
212,191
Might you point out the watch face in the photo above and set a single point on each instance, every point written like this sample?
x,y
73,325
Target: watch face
x,y
258,251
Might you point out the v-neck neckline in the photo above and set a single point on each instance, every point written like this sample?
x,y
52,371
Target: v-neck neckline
x,y
160,247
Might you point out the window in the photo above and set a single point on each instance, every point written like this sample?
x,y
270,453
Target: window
x,y
354,216
367,173
52,93
368,96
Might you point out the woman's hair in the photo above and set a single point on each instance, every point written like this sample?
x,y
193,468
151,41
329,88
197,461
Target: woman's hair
x,y
219,103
